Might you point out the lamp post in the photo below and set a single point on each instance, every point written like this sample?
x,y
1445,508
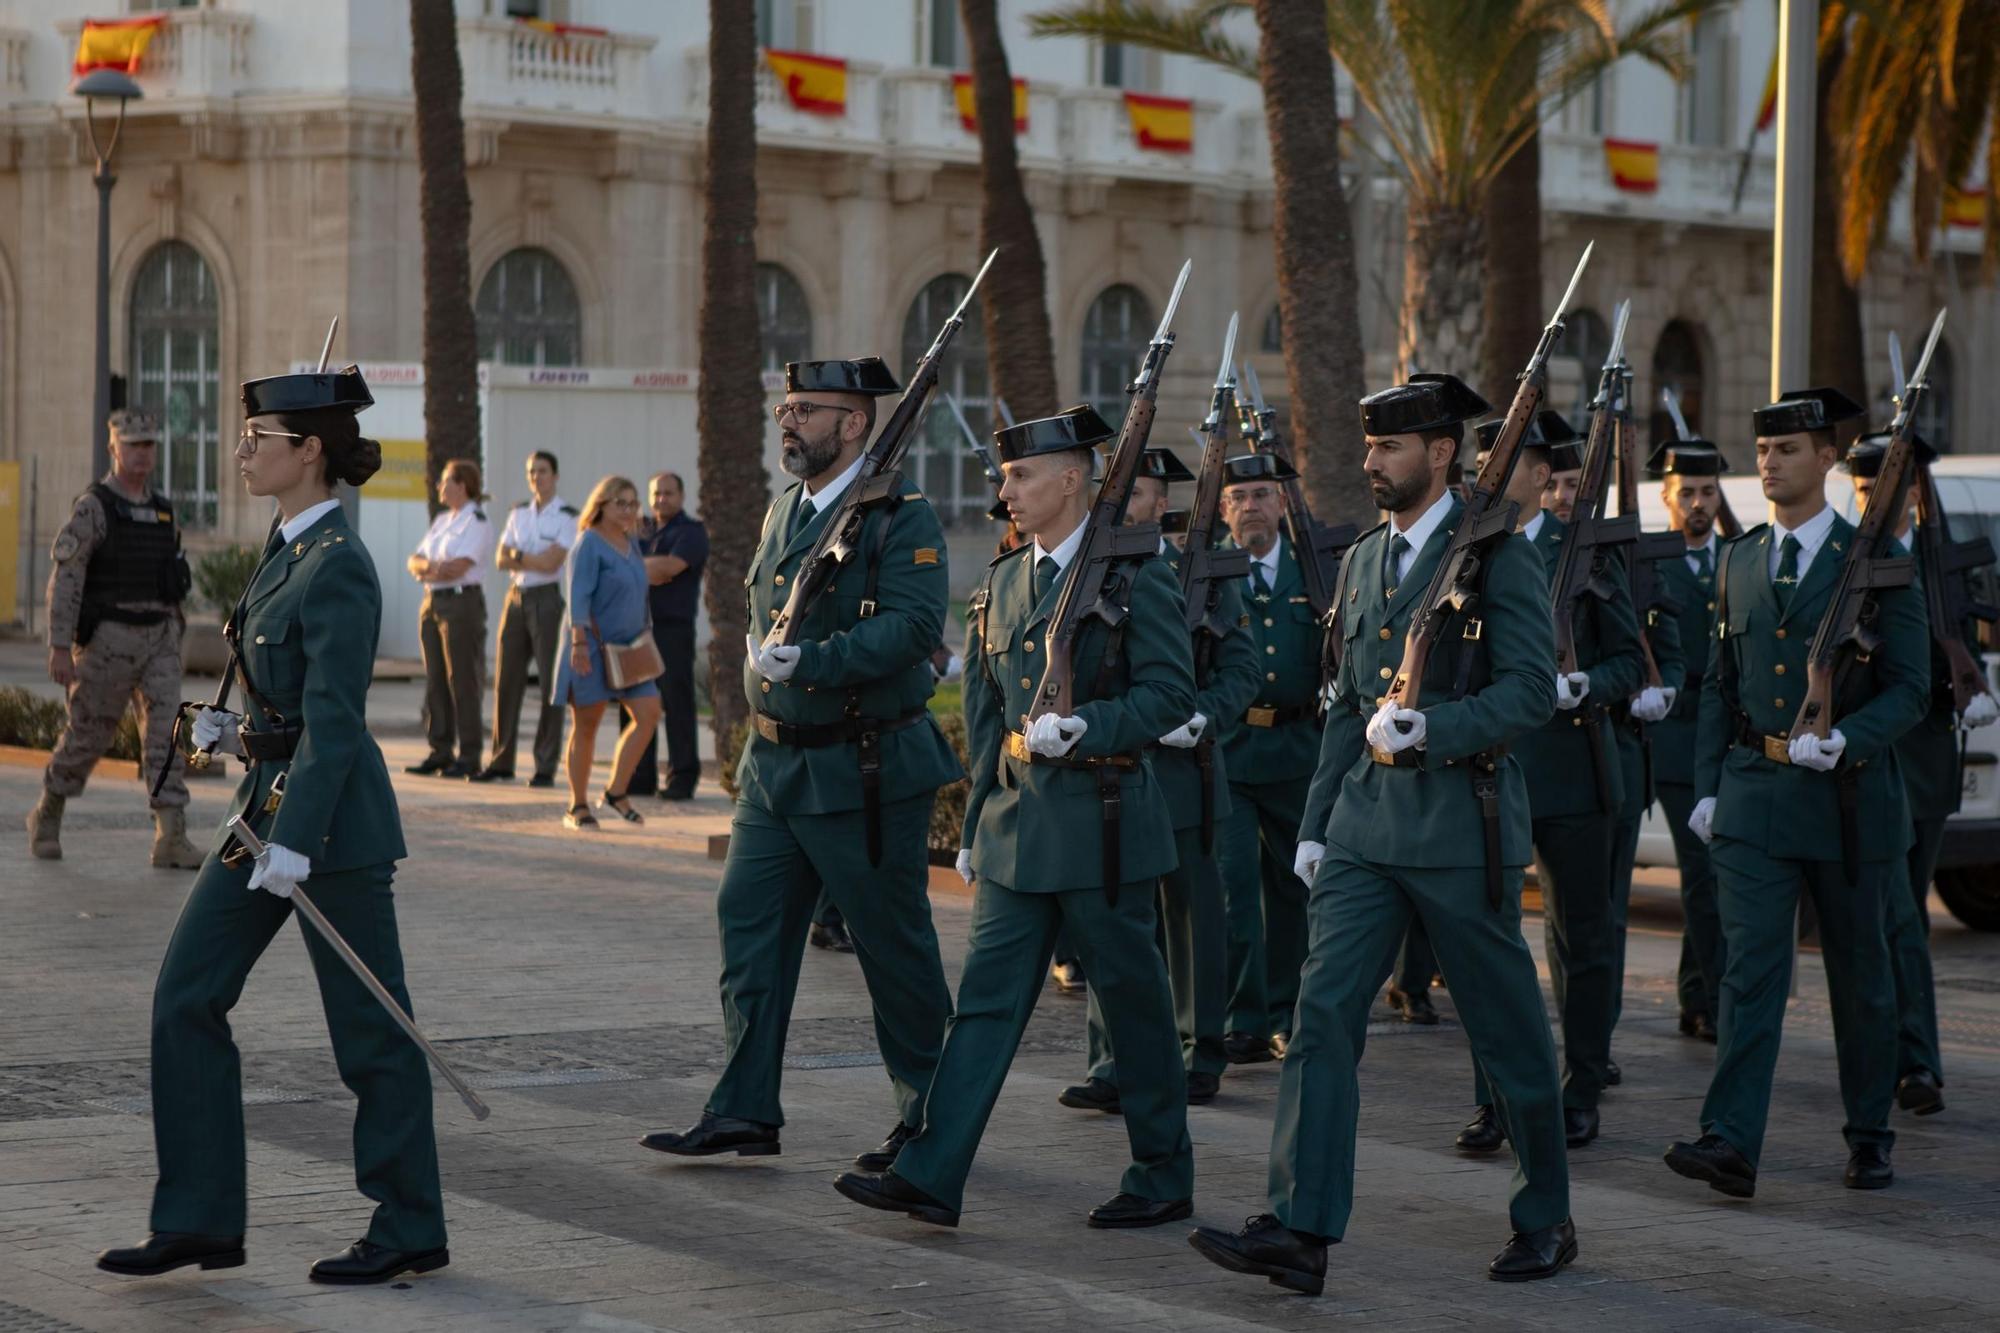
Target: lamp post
x,y
108,84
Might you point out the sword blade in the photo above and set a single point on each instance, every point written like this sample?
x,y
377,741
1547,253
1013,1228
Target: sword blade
x,y
1570,291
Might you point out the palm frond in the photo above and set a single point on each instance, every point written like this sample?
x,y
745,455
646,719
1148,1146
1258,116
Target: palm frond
x,y
1194,30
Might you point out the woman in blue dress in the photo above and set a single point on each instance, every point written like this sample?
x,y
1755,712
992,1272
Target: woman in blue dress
x,y
605,581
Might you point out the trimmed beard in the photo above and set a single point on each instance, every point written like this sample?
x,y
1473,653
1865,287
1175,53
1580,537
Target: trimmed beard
x,y
805,459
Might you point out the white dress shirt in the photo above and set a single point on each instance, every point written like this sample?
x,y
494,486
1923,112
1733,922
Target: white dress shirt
x,y
829,495
1694,563
1811,535
458,534
1534,525
1065,550
1269,560
305,518
1419,532
533,529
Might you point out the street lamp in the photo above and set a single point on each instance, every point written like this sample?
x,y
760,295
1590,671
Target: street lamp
x,y
106,84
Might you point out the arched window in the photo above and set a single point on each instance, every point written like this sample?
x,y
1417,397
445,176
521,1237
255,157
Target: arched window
x,y
1934,408
175,362
528,312
784,320
947,469
1115,333
1586,341
1677,366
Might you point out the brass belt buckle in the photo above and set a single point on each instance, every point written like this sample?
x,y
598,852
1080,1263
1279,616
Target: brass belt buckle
x,y
276,797
1260,716
1381,756
1017,747
766,727
1777,749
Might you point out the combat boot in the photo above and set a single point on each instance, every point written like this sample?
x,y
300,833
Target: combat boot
x,y
45,826
171,849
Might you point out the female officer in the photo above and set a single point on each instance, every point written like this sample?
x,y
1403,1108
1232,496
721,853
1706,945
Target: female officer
x,y
304,634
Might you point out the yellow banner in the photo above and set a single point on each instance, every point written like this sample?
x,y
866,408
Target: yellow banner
x,y
402,474
1163,124
10,541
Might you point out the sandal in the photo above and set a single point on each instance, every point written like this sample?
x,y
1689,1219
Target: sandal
x,y
621,805
579,817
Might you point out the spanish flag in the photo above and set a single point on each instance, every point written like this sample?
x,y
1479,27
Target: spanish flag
x,y
968,113
1634,166
562,29
115,43
1964,208
813,83
1164,124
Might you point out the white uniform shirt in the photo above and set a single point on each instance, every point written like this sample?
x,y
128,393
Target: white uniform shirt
x,y
532,531
1812,535
458,534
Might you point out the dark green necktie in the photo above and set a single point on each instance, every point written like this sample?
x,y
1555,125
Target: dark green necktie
x,y
1704,564
1392,569
806,510
1046,570
1786,581
1258,583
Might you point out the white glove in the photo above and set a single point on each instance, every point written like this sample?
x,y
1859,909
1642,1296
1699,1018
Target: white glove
x,y
965,866
1306,863
1571,688
1385,729
1650,704
776,666
1672,695
215,729
954,668
1980,711
1054,736
1701,822
279,870
1187,735
1809,751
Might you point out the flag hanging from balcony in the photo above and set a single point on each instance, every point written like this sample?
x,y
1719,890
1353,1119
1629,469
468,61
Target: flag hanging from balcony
x,y
812,83
1767,106
1634,166
1164,124
1964,208
968,111
115,43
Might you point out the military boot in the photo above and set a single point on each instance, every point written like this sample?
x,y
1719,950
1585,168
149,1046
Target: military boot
x,y
171,848
45,826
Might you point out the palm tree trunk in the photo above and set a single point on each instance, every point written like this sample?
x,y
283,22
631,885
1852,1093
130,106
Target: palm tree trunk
x,y
1020,352
1444,262
451,342
730,401
1836,355
1514,314
1318,292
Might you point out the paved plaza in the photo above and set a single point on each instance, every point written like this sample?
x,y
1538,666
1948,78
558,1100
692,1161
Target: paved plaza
x,y
574,978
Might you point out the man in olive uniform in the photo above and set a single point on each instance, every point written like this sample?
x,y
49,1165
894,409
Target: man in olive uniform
x,y
115,627
1402,808
1184,760
1786,815
1576,793
837,780
1270,749
1692,490
1056,804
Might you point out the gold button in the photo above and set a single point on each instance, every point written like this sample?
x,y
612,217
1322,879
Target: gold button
x,y
778,579
1777,703
1711,606
1268,622
1271,650
1028,647
1382,633
1027,684
1385,673
1780,668
774,613
765,686
1576,722
1270,675
1781,633
260,638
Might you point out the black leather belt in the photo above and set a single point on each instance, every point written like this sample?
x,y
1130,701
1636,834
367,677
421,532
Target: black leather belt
x,y
1777,749
262,747
453,592
819,735
1110,800
1415,758
1277,715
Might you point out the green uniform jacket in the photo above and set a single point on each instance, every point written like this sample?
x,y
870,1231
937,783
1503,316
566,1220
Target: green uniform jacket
x,y
1673,736
1035,827
1286,639
881,661
309,626
1928,753
1233,681
1789,812
1427,816
1556,757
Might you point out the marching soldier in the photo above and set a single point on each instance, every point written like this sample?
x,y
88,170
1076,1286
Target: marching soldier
x,y
1397,825
1782,816
837,781
1191,912
318,794
1269,749
1043,802
115,625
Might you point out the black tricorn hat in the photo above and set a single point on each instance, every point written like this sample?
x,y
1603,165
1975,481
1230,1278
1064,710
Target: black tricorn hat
x,y
1687,458
1864,459
1076,427
1255,467
1428,402
1174,520
1164,465
1550,430
316,392
1805,410
866,376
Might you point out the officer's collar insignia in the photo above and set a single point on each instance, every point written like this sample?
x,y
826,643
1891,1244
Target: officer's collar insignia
x,y
298,548
1834,544
1785,578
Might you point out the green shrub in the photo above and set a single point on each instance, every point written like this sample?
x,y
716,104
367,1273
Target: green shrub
x,y
30,720
222,575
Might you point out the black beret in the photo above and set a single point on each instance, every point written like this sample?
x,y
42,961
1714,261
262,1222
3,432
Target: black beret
x,y
1864,459
1805,410
866,376
1164,465
1076,427
343,389
1427,402
1256,467
1687,458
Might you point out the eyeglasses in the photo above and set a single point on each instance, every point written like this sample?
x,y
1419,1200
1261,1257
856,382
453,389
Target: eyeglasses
x,y
1242,495
246,443
802,411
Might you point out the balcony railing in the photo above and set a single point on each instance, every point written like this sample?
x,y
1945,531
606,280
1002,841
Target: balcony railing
x,y
13,65
196,54
1696,185
526,68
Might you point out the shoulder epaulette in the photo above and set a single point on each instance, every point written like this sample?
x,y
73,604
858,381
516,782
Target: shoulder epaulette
x,y
567,509
479,513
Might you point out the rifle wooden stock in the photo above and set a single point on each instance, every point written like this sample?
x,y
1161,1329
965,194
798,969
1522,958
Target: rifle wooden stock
x,y
1947,597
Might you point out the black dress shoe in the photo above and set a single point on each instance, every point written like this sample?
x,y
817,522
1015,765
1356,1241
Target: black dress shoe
x,y
1202,1088
1580,1125
164,1251
1704,1028
892,1194
1535,1254
1689,1018
432,764
1246,1048
365,1262
542,781
832,936
1093,1094
1266,1247
492,775
675,791
1122,1211
1069,978
459,771
1868,1168
885,1156
1613,1075
1920,1092
1713,1159
714,1134
1482,1134
1414,1006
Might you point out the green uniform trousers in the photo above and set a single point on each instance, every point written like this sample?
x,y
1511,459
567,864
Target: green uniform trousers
x,y
198,1077
1359,914
1255,844
1013,936
1759,897
1191,937
1910,957
777,866
1699,979
1924,854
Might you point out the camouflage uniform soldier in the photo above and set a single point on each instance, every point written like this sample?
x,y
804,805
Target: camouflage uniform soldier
x,y
115,634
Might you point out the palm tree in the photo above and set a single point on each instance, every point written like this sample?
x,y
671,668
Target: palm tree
x,y
451,341
730,401
1513,277
1835,355
1020,353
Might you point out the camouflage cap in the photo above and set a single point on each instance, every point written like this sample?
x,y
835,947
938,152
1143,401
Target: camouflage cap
x,y
133,424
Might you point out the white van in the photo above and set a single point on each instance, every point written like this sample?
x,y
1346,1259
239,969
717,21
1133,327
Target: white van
x,y
1968,876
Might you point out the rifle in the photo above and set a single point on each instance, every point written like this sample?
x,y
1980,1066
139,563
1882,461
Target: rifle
x,y
989,463
840,536
1317,546
1086,589
1647,547
1726,521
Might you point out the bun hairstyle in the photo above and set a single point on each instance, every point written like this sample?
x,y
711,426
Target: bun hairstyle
x,y
349,456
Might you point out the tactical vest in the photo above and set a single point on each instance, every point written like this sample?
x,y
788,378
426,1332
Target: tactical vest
x,y
140,558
